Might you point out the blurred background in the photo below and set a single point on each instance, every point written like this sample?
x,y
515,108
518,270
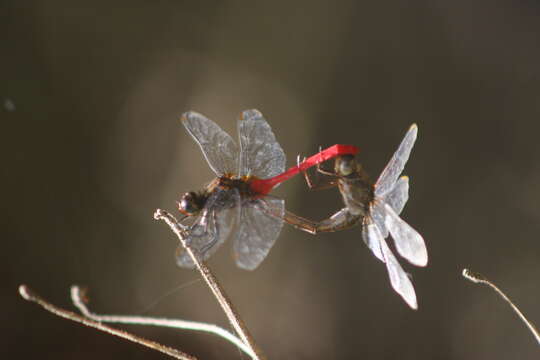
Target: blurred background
x,y
92,144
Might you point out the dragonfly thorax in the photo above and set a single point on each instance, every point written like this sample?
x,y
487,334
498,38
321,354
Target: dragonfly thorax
x,y
242,184
355,187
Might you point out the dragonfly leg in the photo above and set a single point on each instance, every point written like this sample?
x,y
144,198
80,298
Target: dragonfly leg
x,y
330,182
341,220
324,171
319,166
327,184
214,238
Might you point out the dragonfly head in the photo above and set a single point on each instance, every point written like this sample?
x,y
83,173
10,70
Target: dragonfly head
x,y
190,204
345,165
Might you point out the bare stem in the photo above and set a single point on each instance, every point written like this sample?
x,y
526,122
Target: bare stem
x,y
78,301
478,278
213,284
29,295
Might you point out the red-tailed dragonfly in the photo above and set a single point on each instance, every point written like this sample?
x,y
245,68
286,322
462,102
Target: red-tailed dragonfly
x,y
237,202
377,207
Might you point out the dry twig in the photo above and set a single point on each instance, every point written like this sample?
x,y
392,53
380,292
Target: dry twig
x,y
29,295
478,278
213,284
77,298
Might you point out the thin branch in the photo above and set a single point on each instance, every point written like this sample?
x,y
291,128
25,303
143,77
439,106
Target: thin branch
x,y
213,284
478,278
78,301
29,295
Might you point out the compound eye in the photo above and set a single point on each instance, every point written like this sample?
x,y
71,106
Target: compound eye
x,y
346,166
188,204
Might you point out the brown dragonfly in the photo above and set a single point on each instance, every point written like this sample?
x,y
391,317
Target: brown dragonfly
x,y
377,207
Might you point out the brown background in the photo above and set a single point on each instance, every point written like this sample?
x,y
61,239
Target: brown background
x,y
94,145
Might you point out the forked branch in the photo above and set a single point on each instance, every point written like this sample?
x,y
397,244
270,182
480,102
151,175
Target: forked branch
x,y
77,297
245,342
213,284
29,295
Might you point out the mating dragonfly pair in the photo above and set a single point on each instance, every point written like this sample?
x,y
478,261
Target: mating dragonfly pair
x,y
237,202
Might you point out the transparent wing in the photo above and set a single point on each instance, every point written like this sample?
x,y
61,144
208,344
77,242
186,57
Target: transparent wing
x,y
260,153
212,228
378,215
398,196
219,149
341,220
396,164
260,224
398,278
372,237
409,243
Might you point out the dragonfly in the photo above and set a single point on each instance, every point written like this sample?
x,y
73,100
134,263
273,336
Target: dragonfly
x,y
376,206
237,202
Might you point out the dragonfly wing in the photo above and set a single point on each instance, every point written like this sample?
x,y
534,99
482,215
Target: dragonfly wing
x,y
378,215
409,243
260,153
396,164
260,224
398,278
202,235
219,149
372,237
398,196
212,228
